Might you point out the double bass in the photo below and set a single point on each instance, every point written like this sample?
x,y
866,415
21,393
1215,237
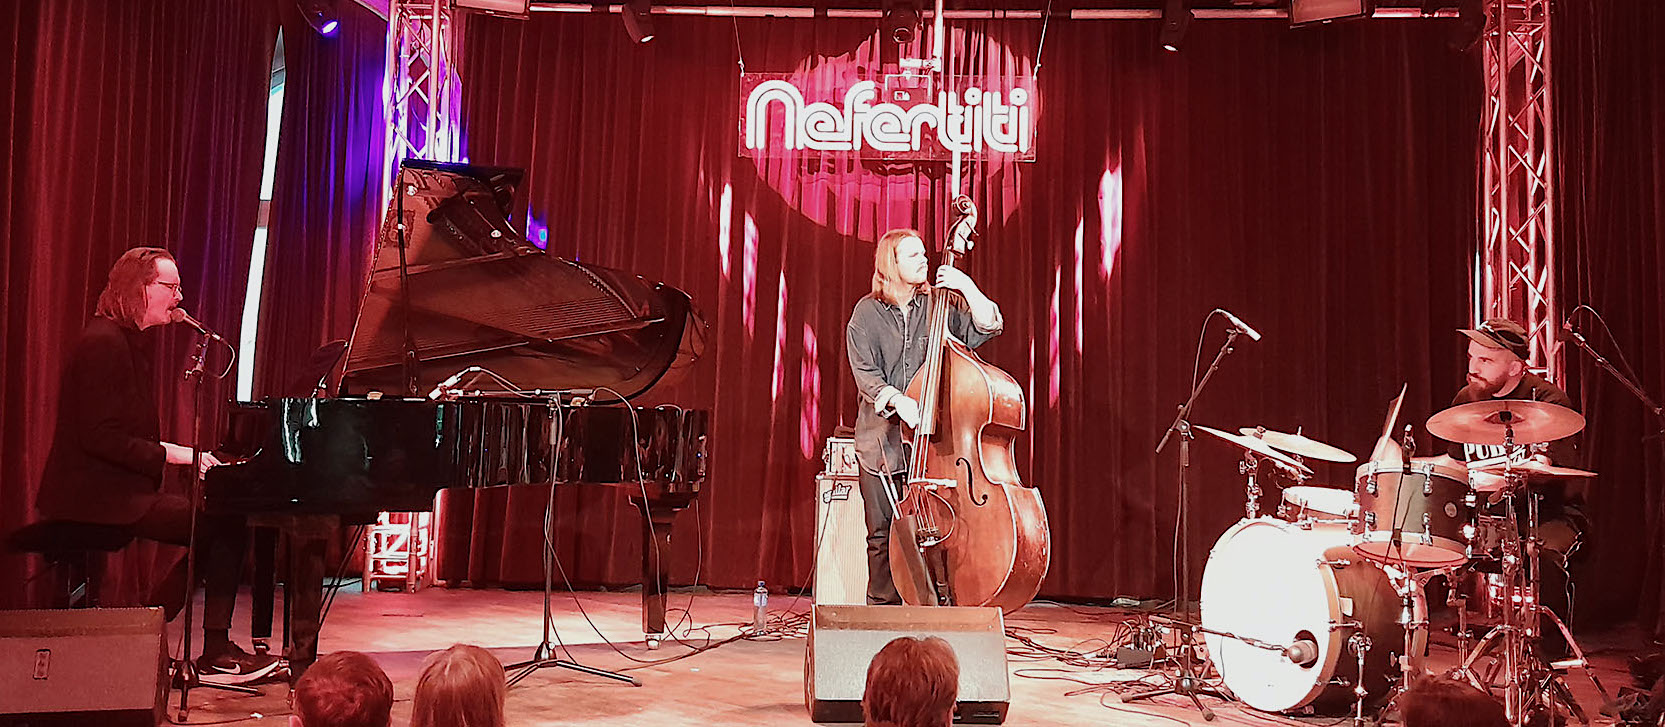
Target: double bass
x,y
967,531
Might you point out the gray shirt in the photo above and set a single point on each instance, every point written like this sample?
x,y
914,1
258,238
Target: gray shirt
x,y
882,354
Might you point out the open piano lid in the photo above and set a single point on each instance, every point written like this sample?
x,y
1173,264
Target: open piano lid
x,y
481,295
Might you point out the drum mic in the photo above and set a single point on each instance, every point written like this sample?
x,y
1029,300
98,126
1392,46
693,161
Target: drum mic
x,y
1242,327
1303,652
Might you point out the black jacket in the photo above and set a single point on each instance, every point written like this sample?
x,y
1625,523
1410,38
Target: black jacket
x,y
106,461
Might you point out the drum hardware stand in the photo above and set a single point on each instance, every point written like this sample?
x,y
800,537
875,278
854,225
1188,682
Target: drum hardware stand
x,y
1530,684
1360,644
1249,468
544,655
1187,682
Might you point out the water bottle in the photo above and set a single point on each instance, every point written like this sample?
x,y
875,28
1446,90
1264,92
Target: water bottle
x,y
760,607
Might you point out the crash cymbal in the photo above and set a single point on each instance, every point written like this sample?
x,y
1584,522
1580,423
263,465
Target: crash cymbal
x,y
1298,444
1488,422
1258,447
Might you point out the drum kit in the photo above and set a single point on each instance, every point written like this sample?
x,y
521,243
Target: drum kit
x,y
1321,607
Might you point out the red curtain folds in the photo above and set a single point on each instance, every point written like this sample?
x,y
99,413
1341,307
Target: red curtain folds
x,y
128,124
1317,183
1610,117
328,183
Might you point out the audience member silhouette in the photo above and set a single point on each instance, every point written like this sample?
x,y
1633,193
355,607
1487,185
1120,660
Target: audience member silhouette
x,y
459,687
912,683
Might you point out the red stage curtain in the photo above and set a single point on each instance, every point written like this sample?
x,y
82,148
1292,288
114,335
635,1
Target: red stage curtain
x,y
325,210
1318,183
1610,116
129,123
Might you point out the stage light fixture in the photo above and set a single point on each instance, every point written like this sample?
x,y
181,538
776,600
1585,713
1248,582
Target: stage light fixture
x,y
1312,12
1176,19
901,23
321,15
638,20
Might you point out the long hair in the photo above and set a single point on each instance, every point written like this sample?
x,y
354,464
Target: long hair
x,y
912,683
887,279
123,298
459,687
344,689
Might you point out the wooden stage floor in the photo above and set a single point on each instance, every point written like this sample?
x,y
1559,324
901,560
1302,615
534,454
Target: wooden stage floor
x,y
743,681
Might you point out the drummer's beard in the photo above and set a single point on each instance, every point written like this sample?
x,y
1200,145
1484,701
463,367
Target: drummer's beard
x,y
1485,386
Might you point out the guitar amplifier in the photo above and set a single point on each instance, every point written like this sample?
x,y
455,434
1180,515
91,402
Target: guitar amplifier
x,y
841,527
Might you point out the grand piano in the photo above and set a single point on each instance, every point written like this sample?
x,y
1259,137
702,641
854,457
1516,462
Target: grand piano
x,y
476,360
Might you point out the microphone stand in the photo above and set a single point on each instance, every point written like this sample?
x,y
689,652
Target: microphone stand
x,y
1635,389
1187,682
544,655
184,670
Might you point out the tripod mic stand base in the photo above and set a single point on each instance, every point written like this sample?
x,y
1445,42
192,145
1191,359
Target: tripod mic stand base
x,y
526,668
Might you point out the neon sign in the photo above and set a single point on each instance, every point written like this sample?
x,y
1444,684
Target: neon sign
x,y
902,119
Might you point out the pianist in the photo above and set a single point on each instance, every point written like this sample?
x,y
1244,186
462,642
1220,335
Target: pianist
x,y
107,455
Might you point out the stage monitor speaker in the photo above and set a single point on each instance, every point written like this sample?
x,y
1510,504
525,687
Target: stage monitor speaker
x,y
83,667
843,640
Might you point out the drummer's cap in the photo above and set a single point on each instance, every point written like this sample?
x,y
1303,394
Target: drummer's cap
x,y
1501,333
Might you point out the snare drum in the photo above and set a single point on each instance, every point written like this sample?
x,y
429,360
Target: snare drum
x,y
1276,583
1415,518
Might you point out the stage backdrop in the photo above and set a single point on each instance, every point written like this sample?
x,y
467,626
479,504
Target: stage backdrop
x,y
1318,183
126,124
1610,111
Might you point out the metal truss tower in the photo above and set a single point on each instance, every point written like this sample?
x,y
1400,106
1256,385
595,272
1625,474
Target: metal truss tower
x,y
1516,265
422,88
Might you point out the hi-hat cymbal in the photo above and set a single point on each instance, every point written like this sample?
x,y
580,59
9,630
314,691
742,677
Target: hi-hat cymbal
x,y
1258,447
1299,444
1531,472
1489,422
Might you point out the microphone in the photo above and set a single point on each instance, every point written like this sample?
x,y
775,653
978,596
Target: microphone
x,y
1303,652
452,380
1253,334
178,315
1408,443
1568,333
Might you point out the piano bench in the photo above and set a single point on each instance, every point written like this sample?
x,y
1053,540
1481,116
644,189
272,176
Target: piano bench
x,y
75,552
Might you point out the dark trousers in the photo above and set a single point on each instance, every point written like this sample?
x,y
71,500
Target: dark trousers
x,y
877,504
221,542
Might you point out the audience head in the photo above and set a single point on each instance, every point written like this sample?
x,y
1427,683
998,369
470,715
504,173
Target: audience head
x,y
1432,702
912,683
343,689
460,687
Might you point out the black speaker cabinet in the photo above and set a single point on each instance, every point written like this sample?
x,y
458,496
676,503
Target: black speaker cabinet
x,y
843,640
83,667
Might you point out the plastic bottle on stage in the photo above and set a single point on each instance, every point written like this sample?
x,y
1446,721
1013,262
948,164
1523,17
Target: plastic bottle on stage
x,y
760,607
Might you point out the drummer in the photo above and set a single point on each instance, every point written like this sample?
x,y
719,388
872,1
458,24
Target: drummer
x,y
1497,353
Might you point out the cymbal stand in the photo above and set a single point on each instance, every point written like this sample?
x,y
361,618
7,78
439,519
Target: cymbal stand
x,y
1530,685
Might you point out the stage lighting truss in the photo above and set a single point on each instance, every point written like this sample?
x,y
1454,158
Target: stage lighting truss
x,y
422,86
1517,251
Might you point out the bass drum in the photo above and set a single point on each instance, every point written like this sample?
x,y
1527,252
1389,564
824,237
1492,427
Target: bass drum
x,y
1278,584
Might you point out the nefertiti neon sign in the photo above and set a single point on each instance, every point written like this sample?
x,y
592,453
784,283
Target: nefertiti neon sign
x,y
901,119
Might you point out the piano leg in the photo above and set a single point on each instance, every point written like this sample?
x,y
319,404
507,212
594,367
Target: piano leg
x,y
303,600
656,548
